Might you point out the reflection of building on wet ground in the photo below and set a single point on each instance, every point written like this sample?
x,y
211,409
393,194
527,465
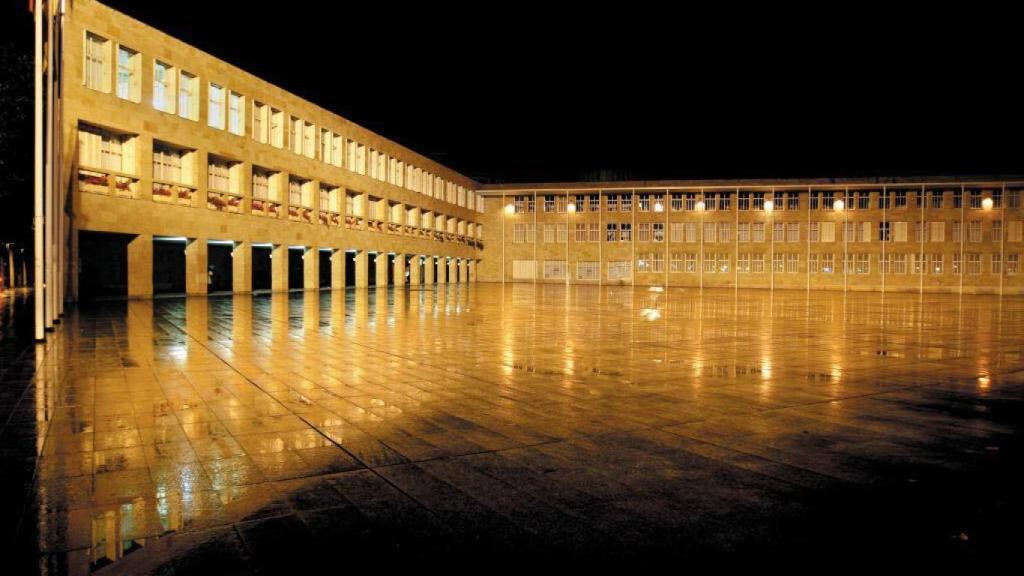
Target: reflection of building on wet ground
x,y
594,423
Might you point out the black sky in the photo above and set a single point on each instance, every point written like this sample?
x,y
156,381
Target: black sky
x,y
527,93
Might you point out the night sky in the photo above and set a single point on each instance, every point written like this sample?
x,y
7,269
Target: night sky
x,y
531,95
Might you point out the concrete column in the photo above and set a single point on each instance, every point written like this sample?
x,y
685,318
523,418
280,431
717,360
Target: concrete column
x,y
362,269
338,270
429,270
140,266
382,269
472,270
441,262
399,279
414,271
464,271
279,268
197,275
241,268
311,268
453,271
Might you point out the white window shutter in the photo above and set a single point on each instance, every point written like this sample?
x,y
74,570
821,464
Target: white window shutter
x,y
899,231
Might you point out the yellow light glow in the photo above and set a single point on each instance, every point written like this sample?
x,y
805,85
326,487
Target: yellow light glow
x,y
769,205
700,206
838,205
510,209
572,207
658,207
986,204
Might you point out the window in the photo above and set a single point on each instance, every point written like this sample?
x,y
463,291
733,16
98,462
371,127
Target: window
x,y
935,263
973,263
612,203
626,204
792,232
744,202
658,232
677,202
172,164
236,111
724,202
957,231
188,89
894,264
900,200
328,198
612,234
997,230
220,172
1014,231
792,263
643,232
974,231
813,265
561,204
710,229
260,122
644,203
549,203
619,270
957,267
779,232
106,150
758,198
724,232
595,203
96,74
276,128
778,262
743,232
588,270
309,140
260,184
958,198
757,232
625,232
793,201
935,197
215,108
997,264
884,229
554,270
128,74
295,134
883,200
743,263
523,233
975,199
524,269
581,232
594,232
814,231
1012,263
163,87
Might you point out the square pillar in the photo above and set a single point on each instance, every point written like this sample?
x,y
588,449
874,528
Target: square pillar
x,y
279,268
311,268
241,268
382,269
197,273
399,279
464,271
414,271
338,270
441,262
453,271
428,270
140,266
362,269
472,270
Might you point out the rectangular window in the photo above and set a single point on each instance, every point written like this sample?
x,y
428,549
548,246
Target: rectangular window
x,y
658,232
236,113
792,263
724,232
725,202
778,263
792,232
757,232
957,231
309,140
215,108
581,232
105,150
554,270
743,232
793,201
643,232
588,270
260,121
276,128
677,202
779,232
900,200
974,231
595,203
219,175
188,96
973,263
163,87
1012,263
743,263
549,203
676,232
128,74
626,232
997,264
997,230
744,202
524,269
612,232
644,203
813,266
96,73
594,230
710,229
626,203
620,270
172,164
612,203
260,184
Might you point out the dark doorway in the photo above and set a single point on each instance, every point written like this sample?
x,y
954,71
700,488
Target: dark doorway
x,y
409,262
218,260
168,265
261,268
350,269
104,265
325,269
296,269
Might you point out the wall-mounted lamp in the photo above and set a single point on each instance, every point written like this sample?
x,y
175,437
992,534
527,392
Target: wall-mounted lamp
x,y
838,205
769,205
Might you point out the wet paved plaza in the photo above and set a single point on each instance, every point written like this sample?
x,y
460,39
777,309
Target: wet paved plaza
x,y
511,424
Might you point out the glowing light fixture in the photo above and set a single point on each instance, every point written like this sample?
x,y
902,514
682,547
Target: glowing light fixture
x,y
769,205
658,207
700,206
572,207
838,205
510,209
986,204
